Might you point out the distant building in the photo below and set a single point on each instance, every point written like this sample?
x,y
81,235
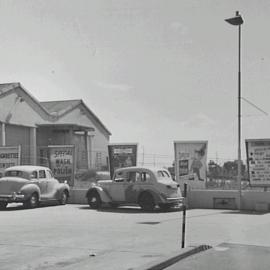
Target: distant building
x,y
36,125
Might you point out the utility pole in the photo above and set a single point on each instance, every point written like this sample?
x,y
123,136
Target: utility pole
x,y
237,20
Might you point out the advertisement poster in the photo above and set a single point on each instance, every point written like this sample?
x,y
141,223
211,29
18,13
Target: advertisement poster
x,y
258,161
9,156
61,159
183,167
191,163
122,155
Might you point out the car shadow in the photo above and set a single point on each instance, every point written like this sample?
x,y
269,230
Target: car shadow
x,y
129,210
20,207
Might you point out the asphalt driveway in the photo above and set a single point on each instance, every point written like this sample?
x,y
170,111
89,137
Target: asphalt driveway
x,y
76,237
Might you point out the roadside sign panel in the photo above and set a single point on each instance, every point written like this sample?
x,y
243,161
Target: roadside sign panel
x,y
122,155
191,163
61,159
258,161
9,156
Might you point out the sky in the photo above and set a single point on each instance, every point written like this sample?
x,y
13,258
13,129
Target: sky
x,y
153,71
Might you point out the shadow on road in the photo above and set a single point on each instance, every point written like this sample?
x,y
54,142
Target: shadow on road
x,y
20,207
256,213
129,210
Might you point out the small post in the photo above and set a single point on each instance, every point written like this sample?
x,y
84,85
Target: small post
x,y
184,216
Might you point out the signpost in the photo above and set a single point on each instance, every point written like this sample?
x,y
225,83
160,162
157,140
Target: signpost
x,y
190,163
184,216
61,160
9,156
258,161
122,155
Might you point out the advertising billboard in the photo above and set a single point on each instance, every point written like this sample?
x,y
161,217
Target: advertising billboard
x,y
9,156
122,155
191,163
62,163
258,161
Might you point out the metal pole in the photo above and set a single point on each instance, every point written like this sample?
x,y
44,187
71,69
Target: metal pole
x,y
184,216
239,116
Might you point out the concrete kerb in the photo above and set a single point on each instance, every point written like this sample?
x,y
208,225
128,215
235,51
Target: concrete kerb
x,y
162,264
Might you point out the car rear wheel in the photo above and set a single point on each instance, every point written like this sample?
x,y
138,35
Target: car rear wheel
x,y
94,200
146,202
63,198
3,205
32,201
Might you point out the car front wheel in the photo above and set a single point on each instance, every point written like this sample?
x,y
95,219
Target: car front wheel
x,y
32,201
3,205
63,198
94,200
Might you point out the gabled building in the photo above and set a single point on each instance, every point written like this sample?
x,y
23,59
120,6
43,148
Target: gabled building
x,y
36,125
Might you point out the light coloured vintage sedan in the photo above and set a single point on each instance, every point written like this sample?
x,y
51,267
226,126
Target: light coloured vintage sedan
x,y
31,185
141,186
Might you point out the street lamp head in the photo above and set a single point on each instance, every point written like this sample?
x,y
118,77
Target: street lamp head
x,y
237,20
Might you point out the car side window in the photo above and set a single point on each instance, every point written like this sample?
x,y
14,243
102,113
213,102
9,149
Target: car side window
x,y
145,177
166,174
49,174
120,177
134,177
41,174
33,175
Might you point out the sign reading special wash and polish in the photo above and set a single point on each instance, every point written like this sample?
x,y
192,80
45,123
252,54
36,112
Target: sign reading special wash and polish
x,y
9,156
61,159
258,161
122,155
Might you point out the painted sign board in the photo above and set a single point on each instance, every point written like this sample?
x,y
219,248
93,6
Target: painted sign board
x,y
9,156
62,162
60,159
122,155
258,161
191,163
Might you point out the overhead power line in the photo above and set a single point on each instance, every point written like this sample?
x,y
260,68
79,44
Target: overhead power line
x,y
255,106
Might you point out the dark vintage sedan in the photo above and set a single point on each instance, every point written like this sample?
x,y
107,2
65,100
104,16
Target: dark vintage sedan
x,y
31,185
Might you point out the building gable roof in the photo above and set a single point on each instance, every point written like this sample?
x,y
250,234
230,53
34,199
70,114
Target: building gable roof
x,y
59,107
5,87
8,88
50,110
63,107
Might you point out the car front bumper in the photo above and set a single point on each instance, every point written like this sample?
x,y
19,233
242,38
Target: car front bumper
x,y
12,198
174,200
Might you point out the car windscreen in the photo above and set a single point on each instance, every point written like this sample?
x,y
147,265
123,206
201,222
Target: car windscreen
x,y
16,173
163,176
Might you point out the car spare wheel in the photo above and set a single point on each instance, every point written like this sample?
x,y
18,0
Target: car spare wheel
x,y
94,200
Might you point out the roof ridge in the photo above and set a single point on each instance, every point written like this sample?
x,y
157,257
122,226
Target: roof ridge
x,y
63,100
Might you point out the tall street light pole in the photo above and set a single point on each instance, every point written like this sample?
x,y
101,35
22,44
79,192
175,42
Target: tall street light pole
x,y
238,20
